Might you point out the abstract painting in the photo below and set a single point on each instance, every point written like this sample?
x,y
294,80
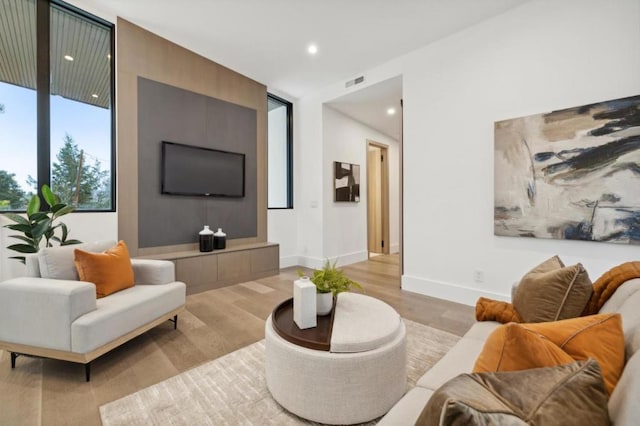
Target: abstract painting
x,y
570,174
346,181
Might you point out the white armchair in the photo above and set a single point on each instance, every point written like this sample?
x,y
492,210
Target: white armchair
x,y
52,314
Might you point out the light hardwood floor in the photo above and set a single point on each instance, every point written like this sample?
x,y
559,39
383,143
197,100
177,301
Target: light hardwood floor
x,y
215,323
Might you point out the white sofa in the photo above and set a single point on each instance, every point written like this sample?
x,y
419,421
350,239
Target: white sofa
x,y
50,313
624,408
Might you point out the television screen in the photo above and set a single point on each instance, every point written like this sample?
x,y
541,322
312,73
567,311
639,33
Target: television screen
x,y
193,170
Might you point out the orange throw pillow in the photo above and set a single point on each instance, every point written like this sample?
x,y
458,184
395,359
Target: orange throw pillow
x,y
495,310
512,347
110,271
521,346
596,336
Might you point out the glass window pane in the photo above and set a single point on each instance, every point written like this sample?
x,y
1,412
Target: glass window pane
x,y
278,155
18,113
80,111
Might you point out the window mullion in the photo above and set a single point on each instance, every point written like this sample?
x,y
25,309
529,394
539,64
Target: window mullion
x,y
43,65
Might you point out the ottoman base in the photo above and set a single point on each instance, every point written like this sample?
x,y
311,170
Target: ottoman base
x,y
336,388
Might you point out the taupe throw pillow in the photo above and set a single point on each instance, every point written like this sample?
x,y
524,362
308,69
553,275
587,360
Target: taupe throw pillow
x,y
552,292
570,394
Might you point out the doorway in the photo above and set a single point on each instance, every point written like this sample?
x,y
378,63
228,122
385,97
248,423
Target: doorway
x,y
378,241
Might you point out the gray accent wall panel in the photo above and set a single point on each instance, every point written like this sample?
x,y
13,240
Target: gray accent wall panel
x,y
167,113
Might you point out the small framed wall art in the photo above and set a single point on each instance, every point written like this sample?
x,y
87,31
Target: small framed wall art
x,y
346,182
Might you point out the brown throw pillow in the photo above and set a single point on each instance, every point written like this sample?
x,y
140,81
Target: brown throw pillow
x,y
110,271
552,291
571,394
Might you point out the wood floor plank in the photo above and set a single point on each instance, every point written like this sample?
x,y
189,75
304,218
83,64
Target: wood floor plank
x,y
215,323
20,390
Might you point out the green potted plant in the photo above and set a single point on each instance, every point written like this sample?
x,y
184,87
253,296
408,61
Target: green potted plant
x,y
39,225
329,281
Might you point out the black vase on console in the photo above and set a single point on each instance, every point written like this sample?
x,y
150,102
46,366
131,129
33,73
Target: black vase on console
x,y
219,240
206,239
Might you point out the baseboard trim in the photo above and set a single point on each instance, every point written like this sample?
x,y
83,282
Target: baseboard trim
x,y
310,262
288,261
394,248
349,258
448,291
343,259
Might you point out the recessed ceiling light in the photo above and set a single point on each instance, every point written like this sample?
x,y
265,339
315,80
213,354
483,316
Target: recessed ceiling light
x,y
94,96
108,55
68,57
312,49
391,111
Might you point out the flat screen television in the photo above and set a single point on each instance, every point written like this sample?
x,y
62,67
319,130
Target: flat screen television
x,y
197,171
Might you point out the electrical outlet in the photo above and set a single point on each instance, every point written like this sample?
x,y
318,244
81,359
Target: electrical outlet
x,y
478,276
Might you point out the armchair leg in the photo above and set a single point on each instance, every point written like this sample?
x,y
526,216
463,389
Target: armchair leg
x,y
13,359
175,322
87,371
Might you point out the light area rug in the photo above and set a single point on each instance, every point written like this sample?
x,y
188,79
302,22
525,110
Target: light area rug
x,y
232,390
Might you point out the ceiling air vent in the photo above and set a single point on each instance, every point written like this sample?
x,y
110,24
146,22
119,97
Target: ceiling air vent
x,y
355,81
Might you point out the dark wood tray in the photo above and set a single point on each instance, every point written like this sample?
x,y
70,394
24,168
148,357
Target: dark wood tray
x,y
318,338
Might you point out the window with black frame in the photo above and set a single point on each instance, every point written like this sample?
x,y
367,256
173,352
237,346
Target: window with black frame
x,y
280,152
56,105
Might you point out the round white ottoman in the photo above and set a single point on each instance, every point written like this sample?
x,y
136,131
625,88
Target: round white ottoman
x,y
359,379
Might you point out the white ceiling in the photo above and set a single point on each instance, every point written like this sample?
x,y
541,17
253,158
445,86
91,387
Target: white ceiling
x,y
267,40
370,105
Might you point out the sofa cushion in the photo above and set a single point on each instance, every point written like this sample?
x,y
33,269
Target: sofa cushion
x,y
624,408
597,336
57,262
124,311
551,292
574,393
458,360
481,330
407,410
110,271
626,301
513,347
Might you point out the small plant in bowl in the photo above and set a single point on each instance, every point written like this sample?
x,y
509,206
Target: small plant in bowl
x,y
329,281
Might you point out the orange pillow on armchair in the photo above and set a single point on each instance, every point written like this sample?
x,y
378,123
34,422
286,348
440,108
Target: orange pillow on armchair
x,y
110,271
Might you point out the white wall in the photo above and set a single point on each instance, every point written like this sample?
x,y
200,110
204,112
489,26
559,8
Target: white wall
x,y
82,226
282,228
542,56
308,178
345,224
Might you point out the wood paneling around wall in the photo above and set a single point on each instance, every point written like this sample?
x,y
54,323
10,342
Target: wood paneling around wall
x,y
140,53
